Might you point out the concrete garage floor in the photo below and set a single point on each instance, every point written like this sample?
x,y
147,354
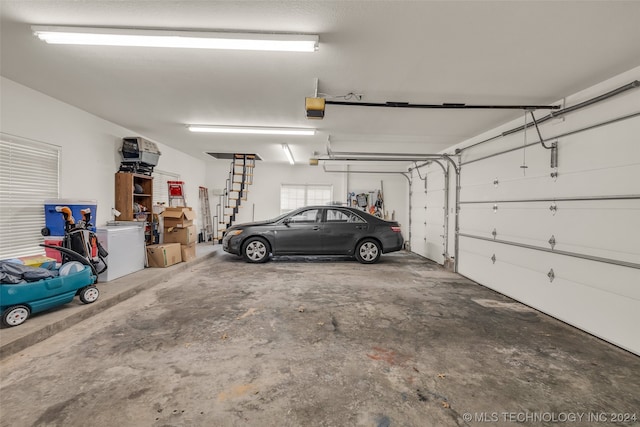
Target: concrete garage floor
x,y
313,342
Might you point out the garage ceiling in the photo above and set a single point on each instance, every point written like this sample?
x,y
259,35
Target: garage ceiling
x,y
475,52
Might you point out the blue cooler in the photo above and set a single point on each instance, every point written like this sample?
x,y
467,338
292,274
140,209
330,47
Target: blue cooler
x,y
54,221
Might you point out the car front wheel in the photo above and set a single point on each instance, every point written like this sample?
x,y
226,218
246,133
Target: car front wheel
x,y
368,251
89,294
255,249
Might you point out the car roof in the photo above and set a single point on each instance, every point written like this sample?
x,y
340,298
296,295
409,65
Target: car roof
x,y
348,208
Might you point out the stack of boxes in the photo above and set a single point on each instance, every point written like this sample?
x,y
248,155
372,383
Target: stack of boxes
x,y
180,238
179,228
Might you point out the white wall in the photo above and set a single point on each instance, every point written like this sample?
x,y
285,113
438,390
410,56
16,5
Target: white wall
x,y
89,156
598,297
268,177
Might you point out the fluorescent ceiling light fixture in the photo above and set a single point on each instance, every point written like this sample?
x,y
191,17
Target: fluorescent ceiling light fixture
x,y
287,151
252,130
177,39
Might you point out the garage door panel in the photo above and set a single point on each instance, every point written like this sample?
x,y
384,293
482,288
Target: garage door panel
x,y
477,180
600,298
506,167
418,231
572,183
597,145
435,214
435,177
597,228
586,227
434,252
435,195
436,232
566,185
477,219
536,182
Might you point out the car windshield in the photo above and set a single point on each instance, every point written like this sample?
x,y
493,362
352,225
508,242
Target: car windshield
x,y
290,214
278,218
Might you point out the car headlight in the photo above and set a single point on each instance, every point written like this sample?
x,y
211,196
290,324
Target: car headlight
x,y
235,232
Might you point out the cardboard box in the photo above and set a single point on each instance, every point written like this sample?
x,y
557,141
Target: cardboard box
x,y
183,236
163,255
179,217
188,252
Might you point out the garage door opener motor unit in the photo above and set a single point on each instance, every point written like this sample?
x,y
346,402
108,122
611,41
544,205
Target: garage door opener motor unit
x,y
138,155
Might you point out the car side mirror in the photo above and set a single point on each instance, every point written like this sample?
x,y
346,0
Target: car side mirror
x,y
286,221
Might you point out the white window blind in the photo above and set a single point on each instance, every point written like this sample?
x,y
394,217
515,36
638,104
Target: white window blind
x,y
28,175
294,196
160,187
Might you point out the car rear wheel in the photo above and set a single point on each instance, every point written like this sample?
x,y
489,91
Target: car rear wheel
x,y
368,251
16,315
255,249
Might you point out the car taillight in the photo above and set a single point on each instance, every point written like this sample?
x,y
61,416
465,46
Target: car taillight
x,y
394,228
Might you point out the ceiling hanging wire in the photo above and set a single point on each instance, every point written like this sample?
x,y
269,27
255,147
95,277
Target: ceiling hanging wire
x,y
346,97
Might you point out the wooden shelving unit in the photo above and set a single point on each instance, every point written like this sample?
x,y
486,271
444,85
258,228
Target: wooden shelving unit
x,y
127,199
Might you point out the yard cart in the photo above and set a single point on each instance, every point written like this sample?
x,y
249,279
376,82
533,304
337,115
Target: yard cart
x,y
19,301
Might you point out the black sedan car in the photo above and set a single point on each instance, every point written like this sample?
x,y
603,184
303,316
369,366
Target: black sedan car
x,y
315,230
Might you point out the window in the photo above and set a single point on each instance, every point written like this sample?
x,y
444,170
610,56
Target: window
x,y
310,215
337,215
297,196
28,175
160,187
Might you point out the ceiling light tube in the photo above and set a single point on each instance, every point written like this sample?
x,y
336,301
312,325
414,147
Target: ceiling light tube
x,y
252,130
287,151
177,39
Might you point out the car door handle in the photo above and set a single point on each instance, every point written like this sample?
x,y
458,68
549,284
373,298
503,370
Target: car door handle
x,y
316,227
361,227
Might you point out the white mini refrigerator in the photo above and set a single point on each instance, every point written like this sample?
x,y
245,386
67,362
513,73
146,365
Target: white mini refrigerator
x,y
127,250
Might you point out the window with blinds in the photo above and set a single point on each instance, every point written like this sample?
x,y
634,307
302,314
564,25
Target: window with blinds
x,y
29,173
294,196
160,188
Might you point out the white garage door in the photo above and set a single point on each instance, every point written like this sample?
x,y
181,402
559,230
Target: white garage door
x,y
566,245
418,211
428,213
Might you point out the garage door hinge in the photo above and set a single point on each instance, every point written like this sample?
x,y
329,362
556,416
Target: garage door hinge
x,y
495,208
496,182
552,242
551,275
494,233
493,258
553,208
